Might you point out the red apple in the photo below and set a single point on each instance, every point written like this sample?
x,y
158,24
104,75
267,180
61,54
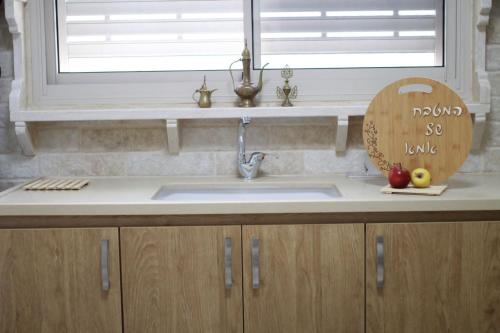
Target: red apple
x,y
399,177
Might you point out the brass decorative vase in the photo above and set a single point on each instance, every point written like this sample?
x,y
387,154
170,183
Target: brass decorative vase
x,y
205,99
287,93
246,90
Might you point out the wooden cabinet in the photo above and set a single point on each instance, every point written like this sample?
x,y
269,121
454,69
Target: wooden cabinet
x,y
51,281
175,279
303,278
418,277
310,279
437,277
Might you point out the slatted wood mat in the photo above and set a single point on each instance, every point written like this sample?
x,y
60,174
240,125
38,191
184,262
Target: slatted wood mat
x,y
51,184
431,190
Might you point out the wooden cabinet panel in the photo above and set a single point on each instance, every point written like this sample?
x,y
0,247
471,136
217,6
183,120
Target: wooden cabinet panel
x,y
311,279
437,278
50,281
174,280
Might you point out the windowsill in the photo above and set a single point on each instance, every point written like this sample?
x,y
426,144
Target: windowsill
x,y
217,111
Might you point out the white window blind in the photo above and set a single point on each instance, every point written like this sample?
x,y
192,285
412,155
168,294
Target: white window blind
x,y
143,35
166,35
347,33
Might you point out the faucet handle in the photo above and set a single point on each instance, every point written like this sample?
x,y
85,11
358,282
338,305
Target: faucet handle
x,y
245,120
258,153
256,158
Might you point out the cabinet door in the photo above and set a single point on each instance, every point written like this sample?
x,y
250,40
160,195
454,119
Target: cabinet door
x,y
436,278
303,278
51,281
174,279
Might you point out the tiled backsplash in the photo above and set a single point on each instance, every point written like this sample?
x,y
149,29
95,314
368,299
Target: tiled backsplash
x,y
293,146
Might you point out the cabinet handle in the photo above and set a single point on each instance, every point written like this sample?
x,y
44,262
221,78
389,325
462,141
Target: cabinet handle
x,y
105,264
255,263
380,262
228,262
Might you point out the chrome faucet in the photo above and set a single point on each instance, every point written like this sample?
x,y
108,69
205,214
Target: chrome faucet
x,y
250,169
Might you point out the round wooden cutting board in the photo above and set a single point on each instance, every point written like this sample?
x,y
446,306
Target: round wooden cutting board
x,y
420,123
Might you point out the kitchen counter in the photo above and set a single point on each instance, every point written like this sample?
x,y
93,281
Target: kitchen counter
x,y
132,197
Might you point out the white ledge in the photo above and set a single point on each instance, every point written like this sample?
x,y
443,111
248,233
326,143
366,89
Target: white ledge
x,y
179,112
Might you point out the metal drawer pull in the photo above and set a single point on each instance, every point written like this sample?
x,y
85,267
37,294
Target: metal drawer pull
x,y
380,262
255,263
104,265
228,262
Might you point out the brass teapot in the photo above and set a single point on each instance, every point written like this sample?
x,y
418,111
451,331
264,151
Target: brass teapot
x,y
246,90
204,100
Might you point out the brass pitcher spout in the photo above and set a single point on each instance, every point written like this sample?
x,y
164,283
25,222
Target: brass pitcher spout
x,y
259,85
246,90
231,72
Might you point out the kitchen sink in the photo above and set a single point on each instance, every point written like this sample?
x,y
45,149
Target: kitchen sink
x,y
246,193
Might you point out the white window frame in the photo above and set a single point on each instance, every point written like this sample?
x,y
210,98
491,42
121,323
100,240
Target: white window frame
x,y
315,85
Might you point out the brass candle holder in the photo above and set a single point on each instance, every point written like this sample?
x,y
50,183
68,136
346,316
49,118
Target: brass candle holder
x,y
287,93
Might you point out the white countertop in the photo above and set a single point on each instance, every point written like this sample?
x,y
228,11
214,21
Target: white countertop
x,y
132,196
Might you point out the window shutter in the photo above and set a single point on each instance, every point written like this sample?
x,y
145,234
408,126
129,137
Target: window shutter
x,y
347,33
144,35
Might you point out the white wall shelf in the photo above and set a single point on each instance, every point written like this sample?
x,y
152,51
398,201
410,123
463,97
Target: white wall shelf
x,y
181,112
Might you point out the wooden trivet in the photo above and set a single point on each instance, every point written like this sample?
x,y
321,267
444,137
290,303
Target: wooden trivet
x,y
434,190
56,184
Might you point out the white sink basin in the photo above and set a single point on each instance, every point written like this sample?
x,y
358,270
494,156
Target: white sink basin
x,y
246,193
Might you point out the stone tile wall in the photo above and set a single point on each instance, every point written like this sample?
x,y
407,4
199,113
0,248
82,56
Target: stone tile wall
x,y
293,147
491,154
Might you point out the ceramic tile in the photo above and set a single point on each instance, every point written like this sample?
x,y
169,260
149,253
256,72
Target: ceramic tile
x,y
9,183
164,164
57,139
4,115
209,138
18,166
328,161
6,63
493,57
495,109
226,163
493,31
492,160
492,134
474,163
5,36
69,164
495,83
8,140
355,134
301,137
122,139
278,163
5,86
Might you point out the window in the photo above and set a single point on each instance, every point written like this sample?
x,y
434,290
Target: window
x,y
349,34
118,35
114,52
